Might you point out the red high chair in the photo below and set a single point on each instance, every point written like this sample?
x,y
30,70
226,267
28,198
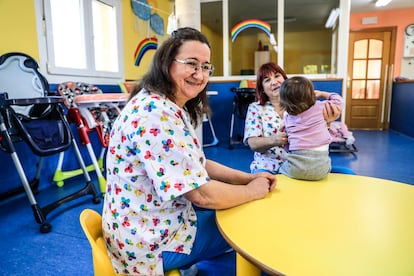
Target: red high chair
x,y
91,111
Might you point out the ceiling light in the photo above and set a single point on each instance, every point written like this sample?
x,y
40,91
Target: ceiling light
x,y
288,19
382,3
332,18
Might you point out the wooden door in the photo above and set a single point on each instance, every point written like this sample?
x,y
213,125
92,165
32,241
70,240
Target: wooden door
x,y
369,76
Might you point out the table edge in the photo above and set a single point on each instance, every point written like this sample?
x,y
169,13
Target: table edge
x,y
248,257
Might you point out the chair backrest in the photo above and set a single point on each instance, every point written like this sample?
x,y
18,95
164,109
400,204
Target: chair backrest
x,y
20,78
91,223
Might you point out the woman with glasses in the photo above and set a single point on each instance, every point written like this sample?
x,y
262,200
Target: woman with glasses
x,y
161,190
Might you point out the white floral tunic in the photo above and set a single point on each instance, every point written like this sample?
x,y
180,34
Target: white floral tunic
x,y
154,157
263,121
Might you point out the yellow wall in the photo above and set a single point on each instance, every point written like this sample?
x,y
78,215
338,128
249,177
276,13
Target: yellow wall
x,y
242,53
135,30
18,28
300,46
18,31
216,43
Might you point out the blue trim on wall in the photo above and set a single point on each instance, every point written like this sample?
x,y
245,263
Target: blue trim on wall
x,y
328,85
106,88
221,107
402,103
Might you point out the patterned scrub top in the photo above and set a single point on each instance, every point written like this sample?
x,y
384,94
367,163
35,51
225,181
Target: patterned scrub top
x,y
263,121
153,158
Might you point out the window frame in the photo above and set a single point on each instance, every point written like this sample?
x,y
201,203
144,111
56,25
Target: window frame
x,y
90,74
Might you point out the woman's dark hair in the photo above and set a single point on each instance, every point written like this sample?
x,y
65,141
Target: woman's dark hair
x,y
264,71
296,95
158,79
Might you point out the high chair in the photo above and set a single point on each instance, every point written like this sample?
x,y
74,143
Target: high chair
x,y
90,110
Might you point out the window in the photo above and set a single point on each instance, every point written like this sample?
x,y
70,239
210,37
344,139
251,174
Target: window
x,y
83,38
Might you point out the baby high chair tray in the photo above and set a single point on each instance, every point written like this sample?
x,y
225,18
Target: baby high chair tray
x,y
99,109
100,98
44,100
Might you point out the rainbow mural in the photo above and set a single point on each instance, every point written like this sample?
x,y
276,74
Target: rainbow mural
x,y
249,23
149,43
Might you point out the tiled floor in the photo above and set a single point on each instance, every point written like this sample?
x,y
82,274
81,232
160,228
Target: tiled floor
x,y
65,250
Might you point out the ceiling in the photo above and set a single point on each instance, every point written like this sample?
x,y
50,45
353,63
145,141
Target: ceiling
x,y
299,14
369,5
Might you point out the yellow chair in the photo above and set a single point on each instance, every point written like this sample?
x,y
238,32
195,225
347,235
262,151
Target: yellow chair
x,y
91,223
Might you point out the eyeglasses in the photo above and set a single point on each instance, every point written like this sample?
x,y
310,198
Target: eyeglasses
x,y
192,66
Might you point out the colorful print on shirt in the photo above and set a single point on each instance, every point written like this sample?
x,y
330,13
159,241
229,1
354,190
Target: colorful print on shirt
x,y
263,121
153,158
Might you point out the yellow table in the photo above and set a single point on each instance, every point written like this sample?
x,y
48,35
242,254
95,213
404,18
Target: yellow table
x,y
342,225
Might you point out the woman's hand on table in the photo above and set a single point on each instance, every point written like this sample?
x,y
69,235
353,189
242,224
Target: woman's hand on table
x,y
271,179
